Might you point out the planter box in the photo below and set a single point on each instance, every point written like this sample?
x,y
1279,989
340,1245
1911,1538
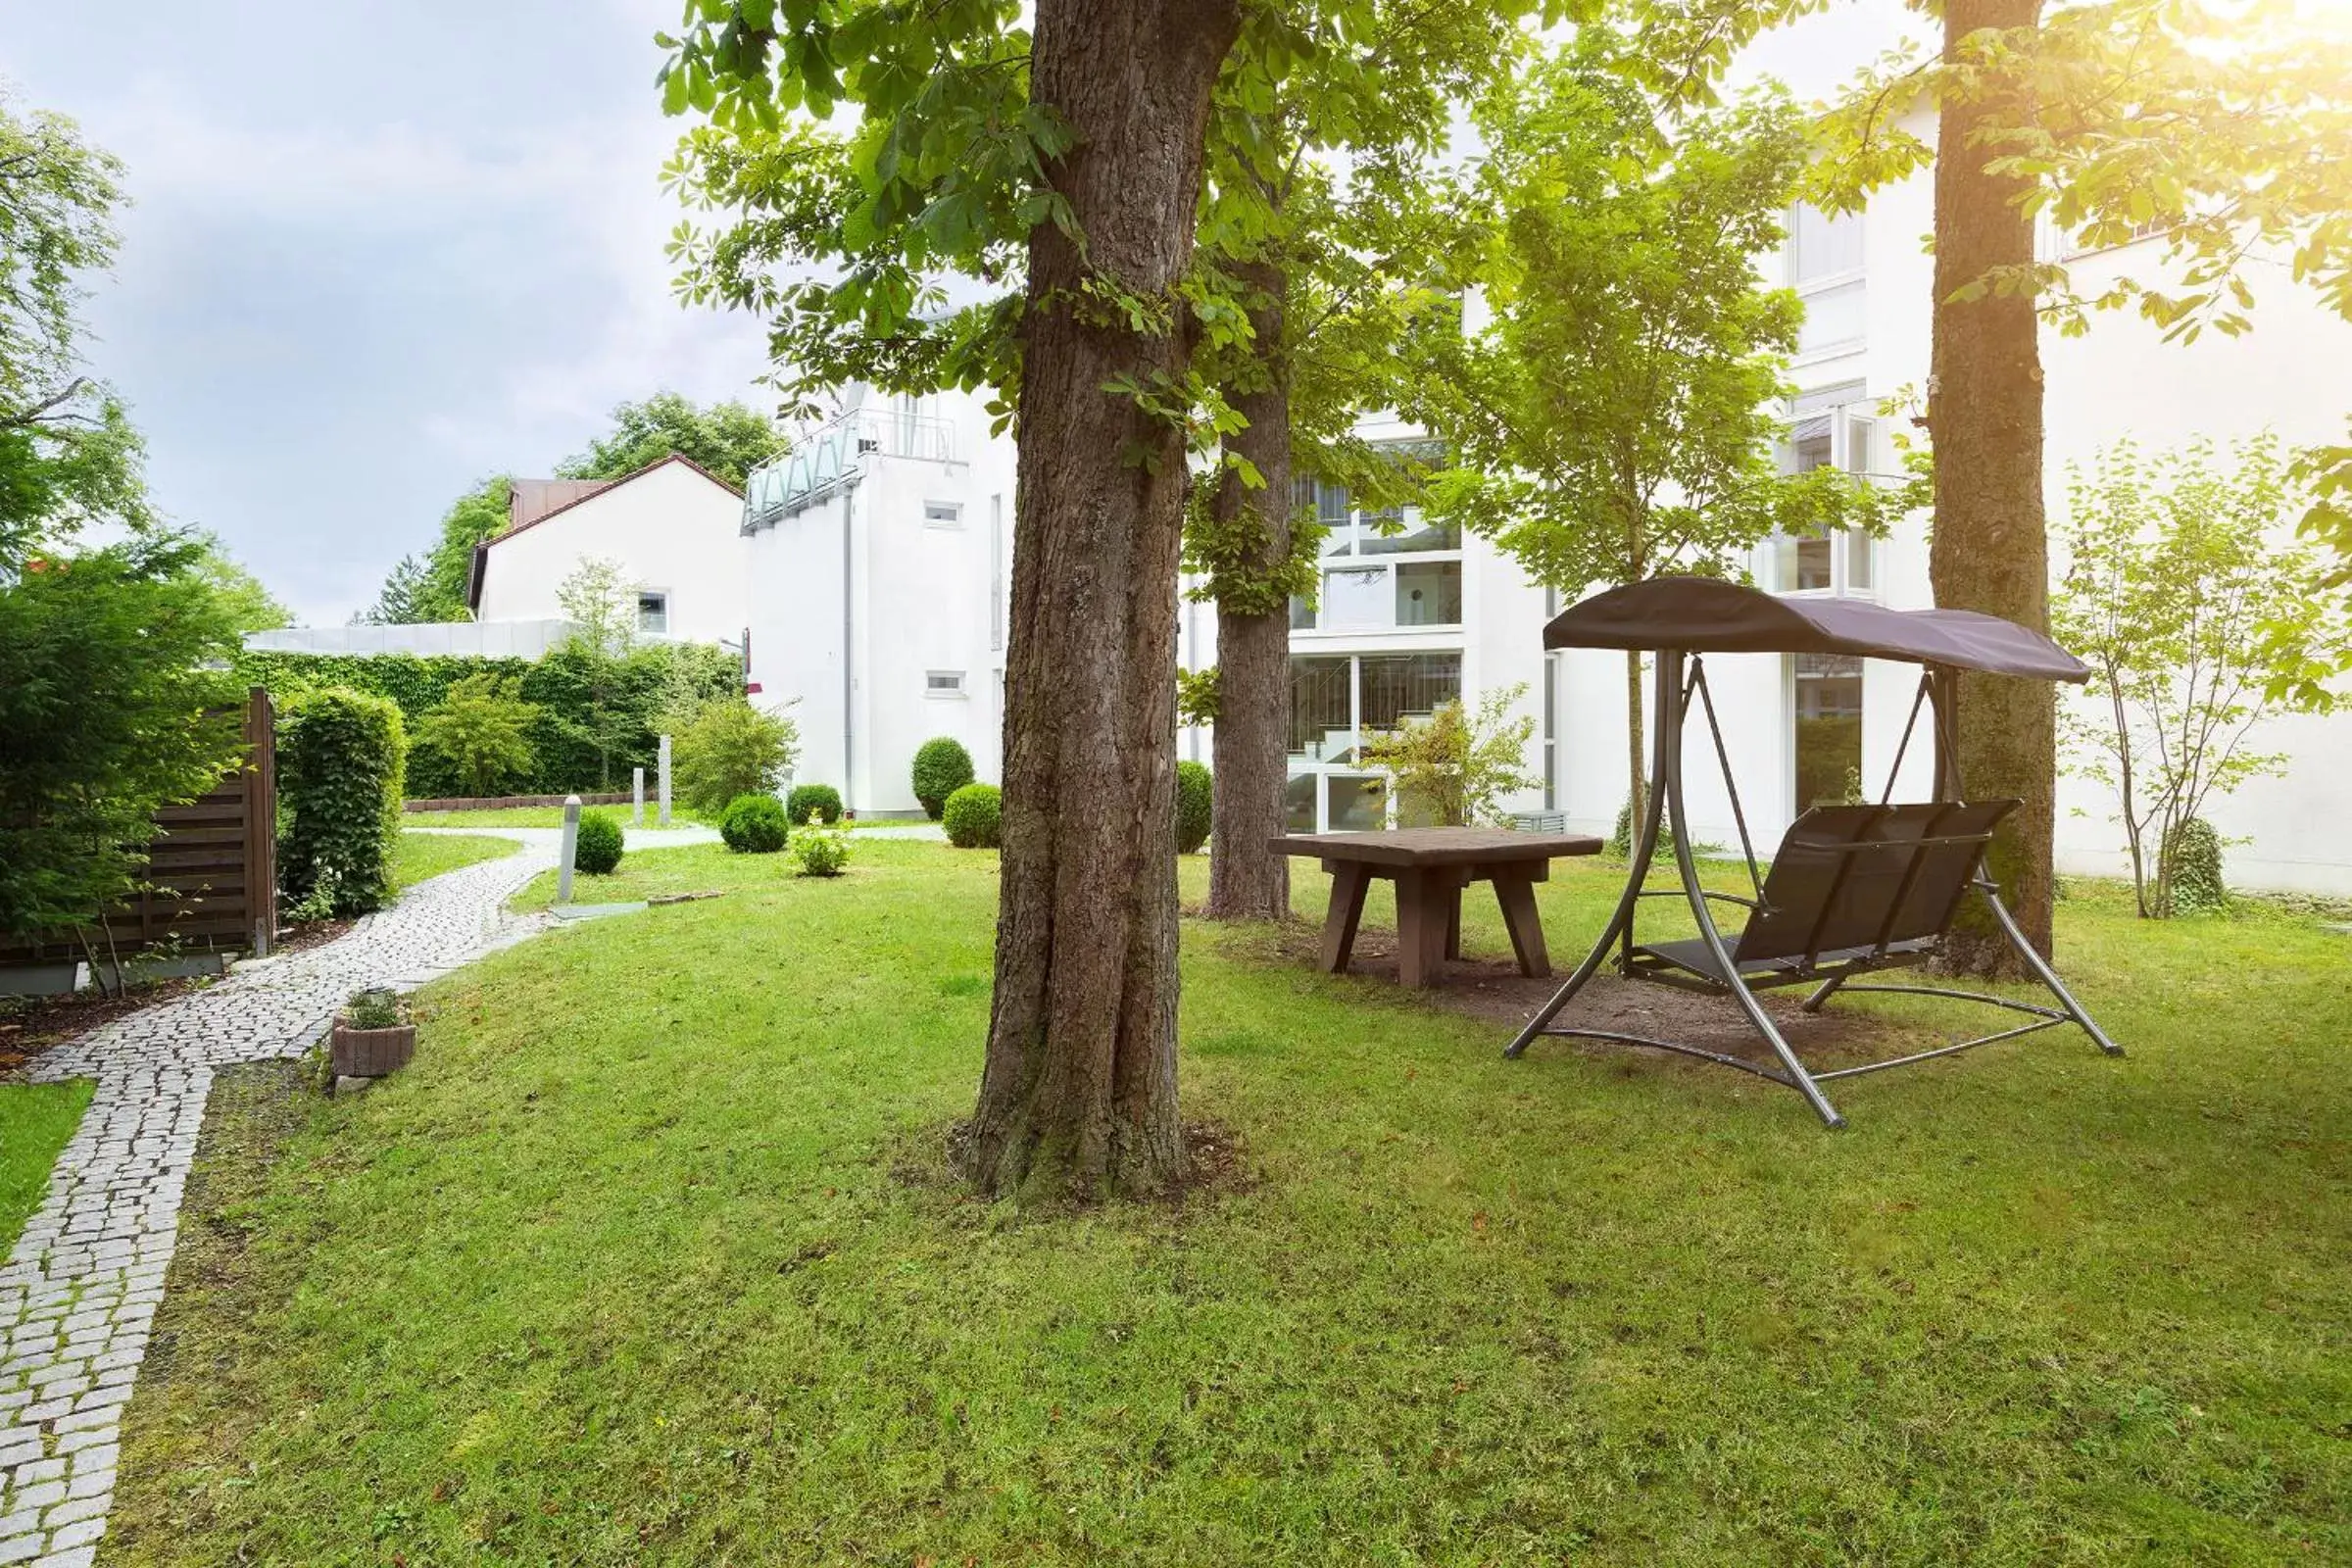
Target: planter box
x,y
371,1052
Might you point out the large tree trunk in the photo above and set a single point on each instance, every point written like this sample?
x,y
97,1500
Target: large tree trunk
x,y
1078,1096
1248,881
1989,552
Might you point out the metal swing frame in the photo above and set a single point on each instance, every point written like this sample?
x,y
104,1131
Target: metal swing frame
x,y
1679,676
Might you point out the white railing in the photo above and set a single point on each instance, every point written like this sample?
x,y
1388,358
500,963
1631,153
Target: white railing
x,y
819,463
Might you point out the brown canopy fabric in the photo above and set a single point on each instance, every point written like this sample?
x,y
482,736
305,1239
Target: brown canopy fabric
x,y
1708,615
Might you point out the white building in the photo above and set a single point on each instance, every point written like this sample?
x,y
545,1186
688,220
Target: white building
x,y
879,561
673,527
906,639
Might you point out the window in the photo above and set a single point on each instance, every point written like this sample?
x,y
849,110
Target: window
x,y
942,514
996,573
652,614
1828,740
1826,269
943,683
1334,699
1832,427
1551,732
1429,593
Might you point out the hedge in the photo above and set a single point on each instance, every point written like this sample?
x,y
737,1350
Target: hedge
x,y
974,817
557,684
1193,786
339,755
942,766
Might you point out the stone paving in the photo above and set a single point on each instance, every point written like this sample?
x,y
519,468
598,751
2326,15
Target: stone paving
x,y
79,1291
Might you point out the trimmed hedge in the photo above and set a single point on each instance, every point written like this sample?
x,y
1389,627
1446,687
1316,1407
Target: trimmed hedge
x,y
754,824
822,798
942,766
1193,787
339,777
651,678
597,850
974,817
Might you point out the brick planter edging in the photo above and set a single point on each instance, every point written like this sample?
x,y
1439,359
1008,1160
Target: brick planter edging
x,y
493,803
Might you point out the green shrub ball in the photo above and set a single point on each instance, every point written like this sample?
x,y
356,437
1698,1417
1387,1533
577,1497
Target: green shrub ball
x,y
822,798
973,816
597,852
754,824
1193,787
942,766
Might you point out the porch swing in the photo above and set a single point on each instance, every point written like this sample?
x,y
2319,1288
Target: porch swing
x,y
1853,890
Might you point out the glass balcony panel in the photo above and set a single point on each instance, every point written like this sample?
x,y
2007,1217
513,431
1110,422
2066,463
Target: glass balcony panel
x,y
1357,805
1429,593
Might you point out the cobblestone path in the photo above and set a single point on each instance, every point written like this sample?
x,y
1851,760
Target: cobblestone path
x,y
81,1289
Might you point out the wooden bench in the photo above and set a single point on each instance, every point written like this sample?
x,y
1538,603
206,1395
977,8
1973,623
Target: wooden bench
x,y
1431,866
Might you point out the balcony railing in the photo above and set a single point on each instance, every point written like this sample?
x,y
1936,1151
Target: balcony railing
x,y
821,461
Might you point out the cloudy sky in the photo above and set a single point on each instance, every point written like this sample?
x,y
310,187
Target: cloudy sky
x,y
378,249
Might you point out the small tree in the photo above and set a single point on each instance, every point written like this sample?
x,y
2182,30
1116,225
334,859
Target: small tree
x,y
2196,628
731,748
483,726
604,627
1456,765
1615,421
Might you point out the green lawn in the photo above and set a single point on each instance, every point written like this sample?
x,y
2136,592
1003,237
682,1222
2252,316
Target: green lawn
x,y
35,1120
419,855
650,1260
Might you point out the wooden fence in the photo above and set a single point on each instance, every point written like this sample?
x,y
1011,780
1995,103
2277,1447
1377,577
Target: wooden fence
x,y
212,868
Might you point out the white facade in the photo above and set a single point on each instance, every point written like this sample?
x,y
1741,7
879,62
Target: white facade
x,y
467,639
677,532
879,561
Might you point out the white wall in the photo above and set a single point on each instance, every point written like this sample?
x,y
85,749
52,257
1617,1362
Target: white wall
x,y
505,639
671,528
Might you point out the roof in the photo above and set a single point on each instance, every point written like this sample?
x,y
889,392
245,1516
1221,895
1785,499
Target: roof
x,y
542,491
1708,615
531,502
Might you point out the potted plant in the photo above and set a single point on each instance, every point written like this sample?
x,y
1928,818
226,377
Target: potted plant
x,y
372,1036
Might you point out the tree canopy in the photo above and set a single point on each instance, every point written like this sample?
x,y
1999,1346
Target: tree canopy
x,y
730,439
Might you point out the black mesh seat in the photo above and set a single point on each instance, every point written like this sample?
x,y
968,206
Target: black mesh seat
x,y
1853,888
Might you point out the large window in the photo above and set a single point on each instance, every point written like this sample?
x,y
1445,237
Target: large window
x,y
1834,427
1381,570
652,613
1335,697
1827,742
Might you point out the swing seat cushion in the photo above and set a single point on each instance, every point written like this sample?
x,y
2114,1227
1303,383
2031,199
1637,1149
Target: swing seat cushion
x,y
1854,887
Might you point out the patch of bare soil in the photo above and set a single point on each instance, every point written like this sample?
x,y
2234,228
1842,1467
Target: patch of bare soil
x,y
1494,990
310,934
30,1025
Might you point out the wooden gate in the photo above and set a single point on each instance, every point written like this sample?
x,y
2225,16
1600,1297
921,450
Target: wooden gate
x,y
212,868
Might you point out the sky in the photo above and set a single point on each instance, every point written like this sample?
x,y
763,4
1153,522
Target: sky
x,y
377,249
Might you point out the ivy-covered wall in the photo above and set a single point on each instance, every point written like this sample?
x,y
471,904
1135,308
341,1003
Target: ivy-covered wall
x,y
645,681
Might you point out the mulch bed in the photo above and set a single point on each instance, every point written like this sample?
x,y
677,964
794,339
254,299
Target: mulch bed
x,y
1494,991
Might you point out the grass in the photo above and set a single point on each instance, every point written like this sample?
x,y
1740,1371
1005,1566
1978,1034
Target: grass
x,y
650,1260
35,1121
419,855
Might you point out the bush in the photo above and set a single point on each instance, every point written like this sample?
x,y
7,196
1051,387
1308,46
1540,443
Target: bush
x,y
822,798
340,757
973,818
598,848
1192,793
820,849
483,730
730,749
942,766
2196,886
755,824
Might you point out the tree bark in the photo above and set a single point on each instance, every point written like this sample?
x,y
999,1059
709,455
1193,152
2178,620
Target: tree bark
x,y
1246,880
1990,550
1078,1094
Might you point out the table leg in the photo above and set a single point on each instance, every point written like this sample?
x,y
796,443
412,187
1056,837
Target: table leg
x,y
1454,923
1348,884
1516,893
1421,899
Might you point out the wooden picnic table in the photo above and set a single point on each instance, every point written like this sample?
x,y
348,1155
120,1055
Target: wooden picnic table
x,y
1431,866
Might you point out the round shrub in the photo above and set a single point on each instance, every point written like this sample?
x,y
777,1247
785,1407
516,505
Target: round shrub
x,y
822,798
973,818
339,768
755,824
1193,785
598,849
942,766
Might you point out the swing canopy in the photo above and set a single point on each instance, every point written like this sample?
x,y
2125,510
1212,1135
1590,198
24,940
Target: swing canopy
x,y
1709,616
